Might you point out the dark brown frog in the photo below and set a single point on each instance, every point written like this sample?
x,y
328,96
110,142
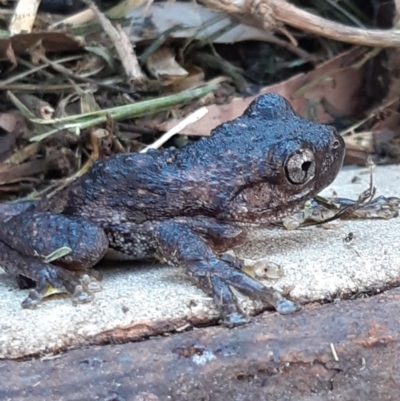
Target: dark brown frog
x,y
182,206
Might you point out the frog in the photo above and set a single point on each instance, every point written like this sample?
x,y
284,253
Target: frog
x,y
185,207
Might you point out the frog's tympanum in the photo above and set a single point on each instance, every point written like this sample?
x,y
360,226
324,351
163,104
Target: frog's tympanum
x,y
184,207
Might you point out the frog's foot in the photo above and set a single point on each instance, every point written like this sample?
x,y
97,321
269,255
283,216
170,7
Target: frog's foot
x,y
260,268
49,279
178,245
82,291
36,295
55,251
52,280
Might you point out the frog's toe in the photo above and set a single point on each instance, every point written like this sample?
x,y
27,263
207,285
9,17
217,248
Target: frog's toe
x,y
230,311
32,300
45,287
234,319
285,306
90,284
80,296
254,289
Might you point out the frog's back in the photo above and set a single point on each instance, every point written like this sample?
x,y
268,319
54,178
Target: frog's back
x,y
268,121
121,183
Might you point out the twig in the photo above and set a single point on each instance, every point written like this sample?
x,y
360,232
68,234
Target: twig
x,y
118,113
372,114
308,22
190,119
334,353
123,47
271,14
290,47
63,88
62,70
24,16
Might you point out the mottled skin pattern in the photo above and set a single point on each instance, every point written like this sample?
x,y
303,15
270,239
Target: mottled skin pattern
x,y
182,206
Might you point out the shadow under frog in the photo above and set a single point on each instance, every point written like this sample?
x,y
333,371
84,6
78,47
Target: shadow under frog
x,y
184,207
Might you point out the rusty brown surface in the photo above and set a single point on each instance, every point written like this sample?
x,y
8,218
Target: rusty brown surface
x,y
285,358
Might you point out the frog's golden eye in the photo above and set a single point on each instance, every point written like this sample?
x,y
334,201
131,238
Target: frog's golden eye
x,y
300,166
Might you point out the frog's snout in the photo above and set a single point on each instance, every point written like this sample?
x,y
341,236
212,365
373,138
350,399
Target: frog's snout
x,y
338,148
332,158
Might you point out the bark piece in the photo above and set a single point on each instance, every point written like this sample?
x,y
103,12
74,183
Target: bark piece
x,y
349,350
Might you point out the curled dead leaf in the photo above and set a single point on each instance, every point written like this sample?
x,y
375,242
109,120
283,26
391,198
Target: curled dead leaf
x,y
163,66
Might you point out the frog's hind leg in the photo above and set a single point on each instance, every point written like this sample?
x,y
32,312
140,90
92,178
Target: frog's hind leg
x,y
180,246
27,240
44,274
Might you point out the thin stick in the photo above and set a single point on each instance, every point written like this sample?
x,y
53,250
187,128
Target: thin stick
x,y
334,353
118,113
24,16
270,14
298,18
123,47
190,119
65,71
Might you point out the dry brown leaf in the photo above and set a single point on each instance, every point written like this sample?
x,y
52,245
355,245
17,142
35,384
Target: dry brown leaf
x,y
384,146
334,82
194,78
55,161
13,174
51,42
390,117
23,154
11,121
6,145
13,125
163,66
7,52
358,148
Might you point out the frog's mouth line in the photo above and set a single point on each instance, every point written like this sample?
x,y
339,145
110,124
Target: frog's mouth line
x,y
271,219
281,205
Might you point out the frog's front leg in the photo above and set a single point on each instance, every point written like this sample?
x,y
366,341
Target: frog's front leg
x,y
26,240
179,245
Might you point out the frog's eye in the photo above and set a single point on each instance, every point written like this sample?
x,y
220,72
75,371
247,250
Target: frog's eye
x,y
335,144
300,166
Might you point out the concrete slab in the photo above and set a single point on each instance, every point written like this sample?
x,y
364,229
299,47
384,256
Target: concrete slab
x,y
147,300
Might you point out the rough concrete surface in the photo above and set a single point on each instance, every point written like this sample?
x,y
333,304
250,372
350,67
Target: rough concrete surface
x,y
344,351
138,301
